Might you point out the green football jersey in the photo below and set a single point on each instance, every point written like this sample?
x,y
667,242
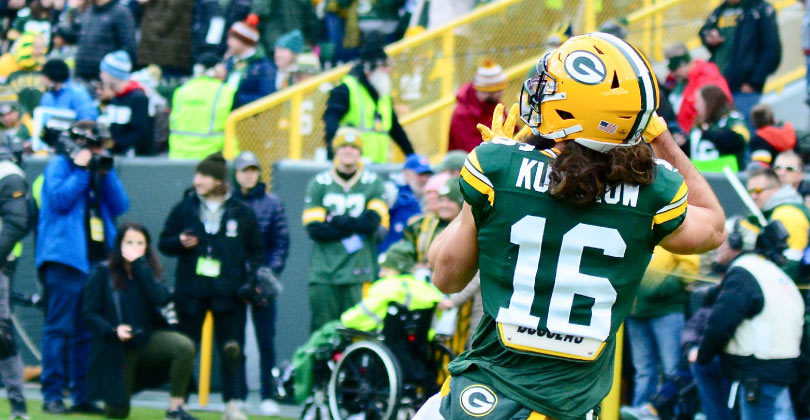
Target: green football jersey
x,y
351,260
557,279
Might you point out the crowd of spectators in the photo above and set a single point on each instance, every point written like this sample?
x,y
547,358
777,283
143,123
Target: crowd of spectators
x,y
107,61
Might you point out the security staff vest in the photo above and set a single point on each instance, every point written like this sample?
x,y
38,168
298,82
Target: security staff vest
x,y
372,119
775,332
199,111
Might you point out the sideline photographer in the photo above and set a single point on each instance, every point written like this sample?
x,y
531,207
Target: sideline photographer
x,y
81,197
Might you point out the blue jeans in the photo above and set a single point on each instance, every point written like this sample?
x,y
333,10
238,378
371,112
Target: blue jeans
x,y
713,389
64,330
654,349
335,31
745,102
773,403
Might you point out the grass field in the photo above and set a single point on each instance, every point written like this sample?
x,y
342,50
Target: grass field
x,y
137,413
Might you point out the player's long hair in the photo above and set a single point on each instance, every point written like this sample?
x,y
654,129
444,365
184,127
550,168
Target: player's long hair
x,y
581,175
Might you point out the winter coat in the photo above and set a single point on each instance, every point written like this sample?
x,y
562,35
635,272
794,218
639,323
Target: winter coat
x,y
253,78
237,246
73,97
773,139
141,300
469,112
166,34
14,213
755,49
130,123
105,29
338,105
272,221
787,206
701,74
61,230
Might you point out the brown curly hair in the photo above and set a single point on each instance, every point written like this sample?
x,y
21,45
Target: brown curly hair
x,y
580,175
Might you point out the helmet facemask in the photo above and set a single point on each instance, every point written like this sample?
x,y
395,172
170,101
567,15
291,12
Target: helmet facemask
x,y
532,94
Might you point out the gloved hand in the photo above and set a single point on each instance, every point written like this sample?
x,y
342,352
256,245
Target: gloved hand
x,y
504,129
169,314
655,127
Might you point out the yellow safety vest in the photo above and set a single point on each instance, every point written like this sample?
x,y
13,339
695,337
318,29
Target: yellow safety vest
x,y
197,122
372,119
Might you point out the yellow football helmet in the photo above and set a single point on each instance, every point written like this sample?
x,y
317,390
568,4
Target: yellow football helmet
x,y
595,89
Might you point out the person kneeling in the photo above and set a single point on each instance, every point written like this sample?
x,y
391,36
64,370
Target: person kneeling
x,y
131,314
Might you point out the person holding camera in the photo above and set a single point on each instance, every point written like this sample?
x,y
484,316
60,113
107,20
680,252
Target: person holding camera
x,y
218,246
80,199
756,322
129,309
273,226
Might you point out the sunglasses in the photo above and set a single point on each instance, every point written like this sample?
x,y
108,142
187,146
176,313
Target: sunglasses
x,y
786,168
759,190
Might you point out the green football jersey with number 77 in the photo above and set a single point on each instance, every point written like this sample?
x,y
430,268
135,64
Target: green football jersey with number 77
x,y
557,279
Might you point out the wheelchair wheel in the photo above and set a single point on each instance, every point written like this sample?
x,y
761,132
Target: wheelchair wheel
x,y
365,384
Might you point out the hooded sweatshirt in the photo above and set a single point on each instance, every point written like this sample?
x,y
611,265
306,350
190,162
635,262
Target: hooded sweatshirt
x,y
786,205
469,112
771,140
130,124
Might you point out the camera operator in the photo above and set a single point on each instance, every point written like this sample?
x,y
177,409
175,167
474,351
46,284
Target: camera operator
x,y
756,323
14,219
81,197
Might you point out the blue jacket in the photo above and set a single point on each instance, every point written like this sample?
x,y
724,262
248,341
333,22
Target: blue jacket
x,y
406,206
73,97
272,224
61,234
258,78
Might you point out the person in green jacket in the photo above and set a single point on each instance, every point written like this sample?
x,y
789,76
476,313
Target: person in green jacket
x,y
200,108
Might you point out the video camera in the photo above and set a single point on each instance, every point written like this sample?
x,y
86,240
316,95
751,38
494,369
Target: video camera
x,y
67,138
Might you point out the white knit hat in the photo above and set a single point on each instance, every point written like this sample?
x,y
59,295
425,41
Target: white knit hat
x,y
490,77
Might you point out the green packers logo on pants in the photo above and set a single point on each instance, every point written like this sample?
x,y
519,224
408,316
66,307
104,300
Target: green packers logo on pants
x,y
478,400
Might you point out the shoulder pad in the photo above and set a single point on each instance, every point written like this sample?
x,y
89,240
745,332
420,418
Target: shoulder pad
x,y
666,165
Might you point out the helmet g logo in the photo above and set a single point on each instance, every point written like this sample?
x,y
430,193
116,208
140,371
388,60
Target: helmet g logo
x,y
585,67
478,400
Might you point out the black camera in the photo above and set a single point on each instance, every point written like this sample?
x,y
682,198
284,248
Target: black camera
x,y
68,138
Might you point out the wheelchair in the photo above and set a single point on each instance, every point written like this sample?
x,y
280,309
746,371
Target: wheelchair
x,y
380,376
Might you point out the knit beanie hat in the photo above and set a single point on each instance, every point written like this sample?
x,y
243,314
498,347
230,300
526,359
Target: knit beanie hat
x,y
246,31
213,165
307,63
117,64
490,77
453,161
56,70
347,136
677,55
23,50
399,256
293,41
452,190
372,55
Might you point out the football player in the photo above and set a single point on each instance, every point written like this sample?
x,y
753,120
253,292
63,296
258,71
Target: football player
x,y
562,228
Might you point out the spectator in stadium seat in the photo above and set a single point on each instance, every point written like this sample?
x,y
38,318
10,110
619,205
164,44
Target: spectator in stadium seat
x,y
127,110
217,242
166,35
475,103
75,232
106,27
65,94
14,123
21,69
38,17
200,108
719,136
286,51
250,73
790,168
273,227
367,90
770,137
279,17
686,77
129,308
306,65
743,39
345,215
405,192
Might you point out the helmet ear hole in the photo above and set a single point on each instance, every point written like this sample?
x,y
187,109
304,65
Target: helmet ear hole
x,y
615,83
565,115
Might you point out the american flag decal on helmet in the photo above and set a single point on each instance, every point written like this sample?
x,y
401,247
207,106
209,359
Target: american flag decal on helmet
x,y
608,127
